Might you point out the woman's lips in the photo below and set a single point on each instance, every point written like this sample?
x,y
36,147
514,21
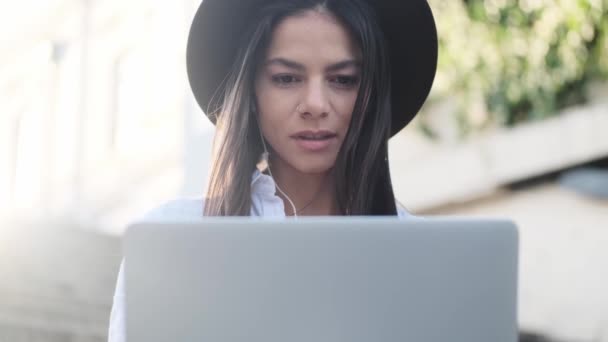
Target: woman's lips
x,y
316,144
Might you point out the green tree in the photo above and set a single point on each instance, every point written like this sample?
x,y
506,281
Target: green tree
x,y
510,61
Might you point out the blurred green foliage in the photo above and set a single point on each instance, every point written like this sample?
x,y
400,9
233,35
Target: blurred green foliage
x,y
508,61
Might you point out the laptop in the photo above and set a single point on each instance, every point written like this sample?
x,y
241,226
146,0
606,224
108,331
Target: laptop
x,y
330,279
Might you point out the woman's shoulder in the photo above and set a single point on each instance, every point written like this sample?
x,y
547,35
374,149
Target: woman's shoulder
x,y
176,209
192,209
403,212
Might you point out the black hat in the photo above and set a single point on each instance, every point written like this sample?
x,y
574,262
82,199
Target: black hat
x,y
408,27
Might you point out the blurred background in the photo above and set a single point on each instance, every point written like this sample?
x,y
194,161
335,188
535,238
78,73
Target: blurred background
x,y
98,126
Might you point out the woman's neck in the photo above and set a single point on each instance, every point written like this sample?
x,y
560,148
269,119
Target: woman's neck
x,y
311,194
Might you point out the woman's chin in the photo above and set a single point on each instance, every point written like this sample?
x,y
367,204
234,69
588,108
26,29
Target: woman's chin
x,y
314,167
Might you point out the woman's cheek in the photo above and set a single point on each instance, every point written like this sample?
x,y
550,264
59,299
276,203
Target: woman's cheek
x,y
274,130
346,114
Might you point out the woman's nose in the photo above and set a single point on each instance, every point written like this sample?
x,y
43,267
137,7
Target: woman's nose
x,y
316,100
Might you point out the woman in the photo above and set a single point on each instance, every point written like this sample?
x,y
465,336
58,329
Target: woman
x,y
305,95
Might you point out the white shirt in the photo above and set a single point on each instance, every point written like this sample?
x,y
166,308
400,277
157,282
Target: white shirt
x,y
264,202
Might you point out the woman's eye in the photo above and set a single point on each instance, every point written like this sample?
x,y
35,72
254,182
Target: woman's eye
x,y
284,80
345,81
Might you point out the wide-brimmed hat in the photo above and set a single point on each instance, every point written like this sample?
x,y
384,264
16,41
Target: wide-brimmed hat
x,y
408,26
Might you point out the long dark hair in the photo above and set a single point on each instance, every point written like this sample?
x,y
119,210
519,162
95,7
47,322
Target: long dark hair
x,y
362,176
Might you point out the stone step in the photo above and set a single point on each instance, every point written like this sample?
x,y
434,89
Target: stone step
x,y
57,282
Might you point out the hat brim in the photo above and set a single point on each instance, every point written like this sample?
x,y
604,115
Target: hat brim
x,y
408,27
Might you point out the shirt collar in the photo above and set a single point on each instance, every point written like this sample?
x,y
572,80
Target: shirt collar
x,y
265,202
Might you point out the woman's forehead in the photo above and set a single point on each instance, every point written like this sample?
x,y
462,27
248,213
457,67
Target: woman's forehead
x,y
312,38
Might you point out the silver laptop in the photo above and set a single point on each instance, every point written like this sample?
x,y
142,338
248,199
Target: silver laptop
x,y
322,280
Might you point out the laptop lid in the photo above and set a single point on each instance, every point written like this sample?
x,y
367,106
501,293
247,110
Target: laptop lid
x,y
322,279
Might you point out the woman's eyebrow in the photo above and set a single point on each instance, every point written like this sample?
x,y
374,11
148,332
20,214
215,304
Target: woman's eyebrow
x,y
343,65
287,63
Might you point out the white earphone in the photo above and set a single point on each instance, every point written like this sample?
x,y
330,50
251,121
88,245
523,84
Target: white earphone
x,y
265,158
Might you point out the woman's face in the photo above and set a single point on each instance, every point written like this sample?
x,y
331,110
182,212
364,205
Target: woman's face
x,y
306,89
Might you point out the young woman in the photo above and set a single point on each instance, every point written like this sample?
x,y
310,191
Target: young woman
x,y
305,95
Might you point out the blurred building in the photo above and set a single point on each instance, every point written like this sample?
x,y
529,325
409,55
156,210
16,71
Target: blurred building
x,y
95,102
